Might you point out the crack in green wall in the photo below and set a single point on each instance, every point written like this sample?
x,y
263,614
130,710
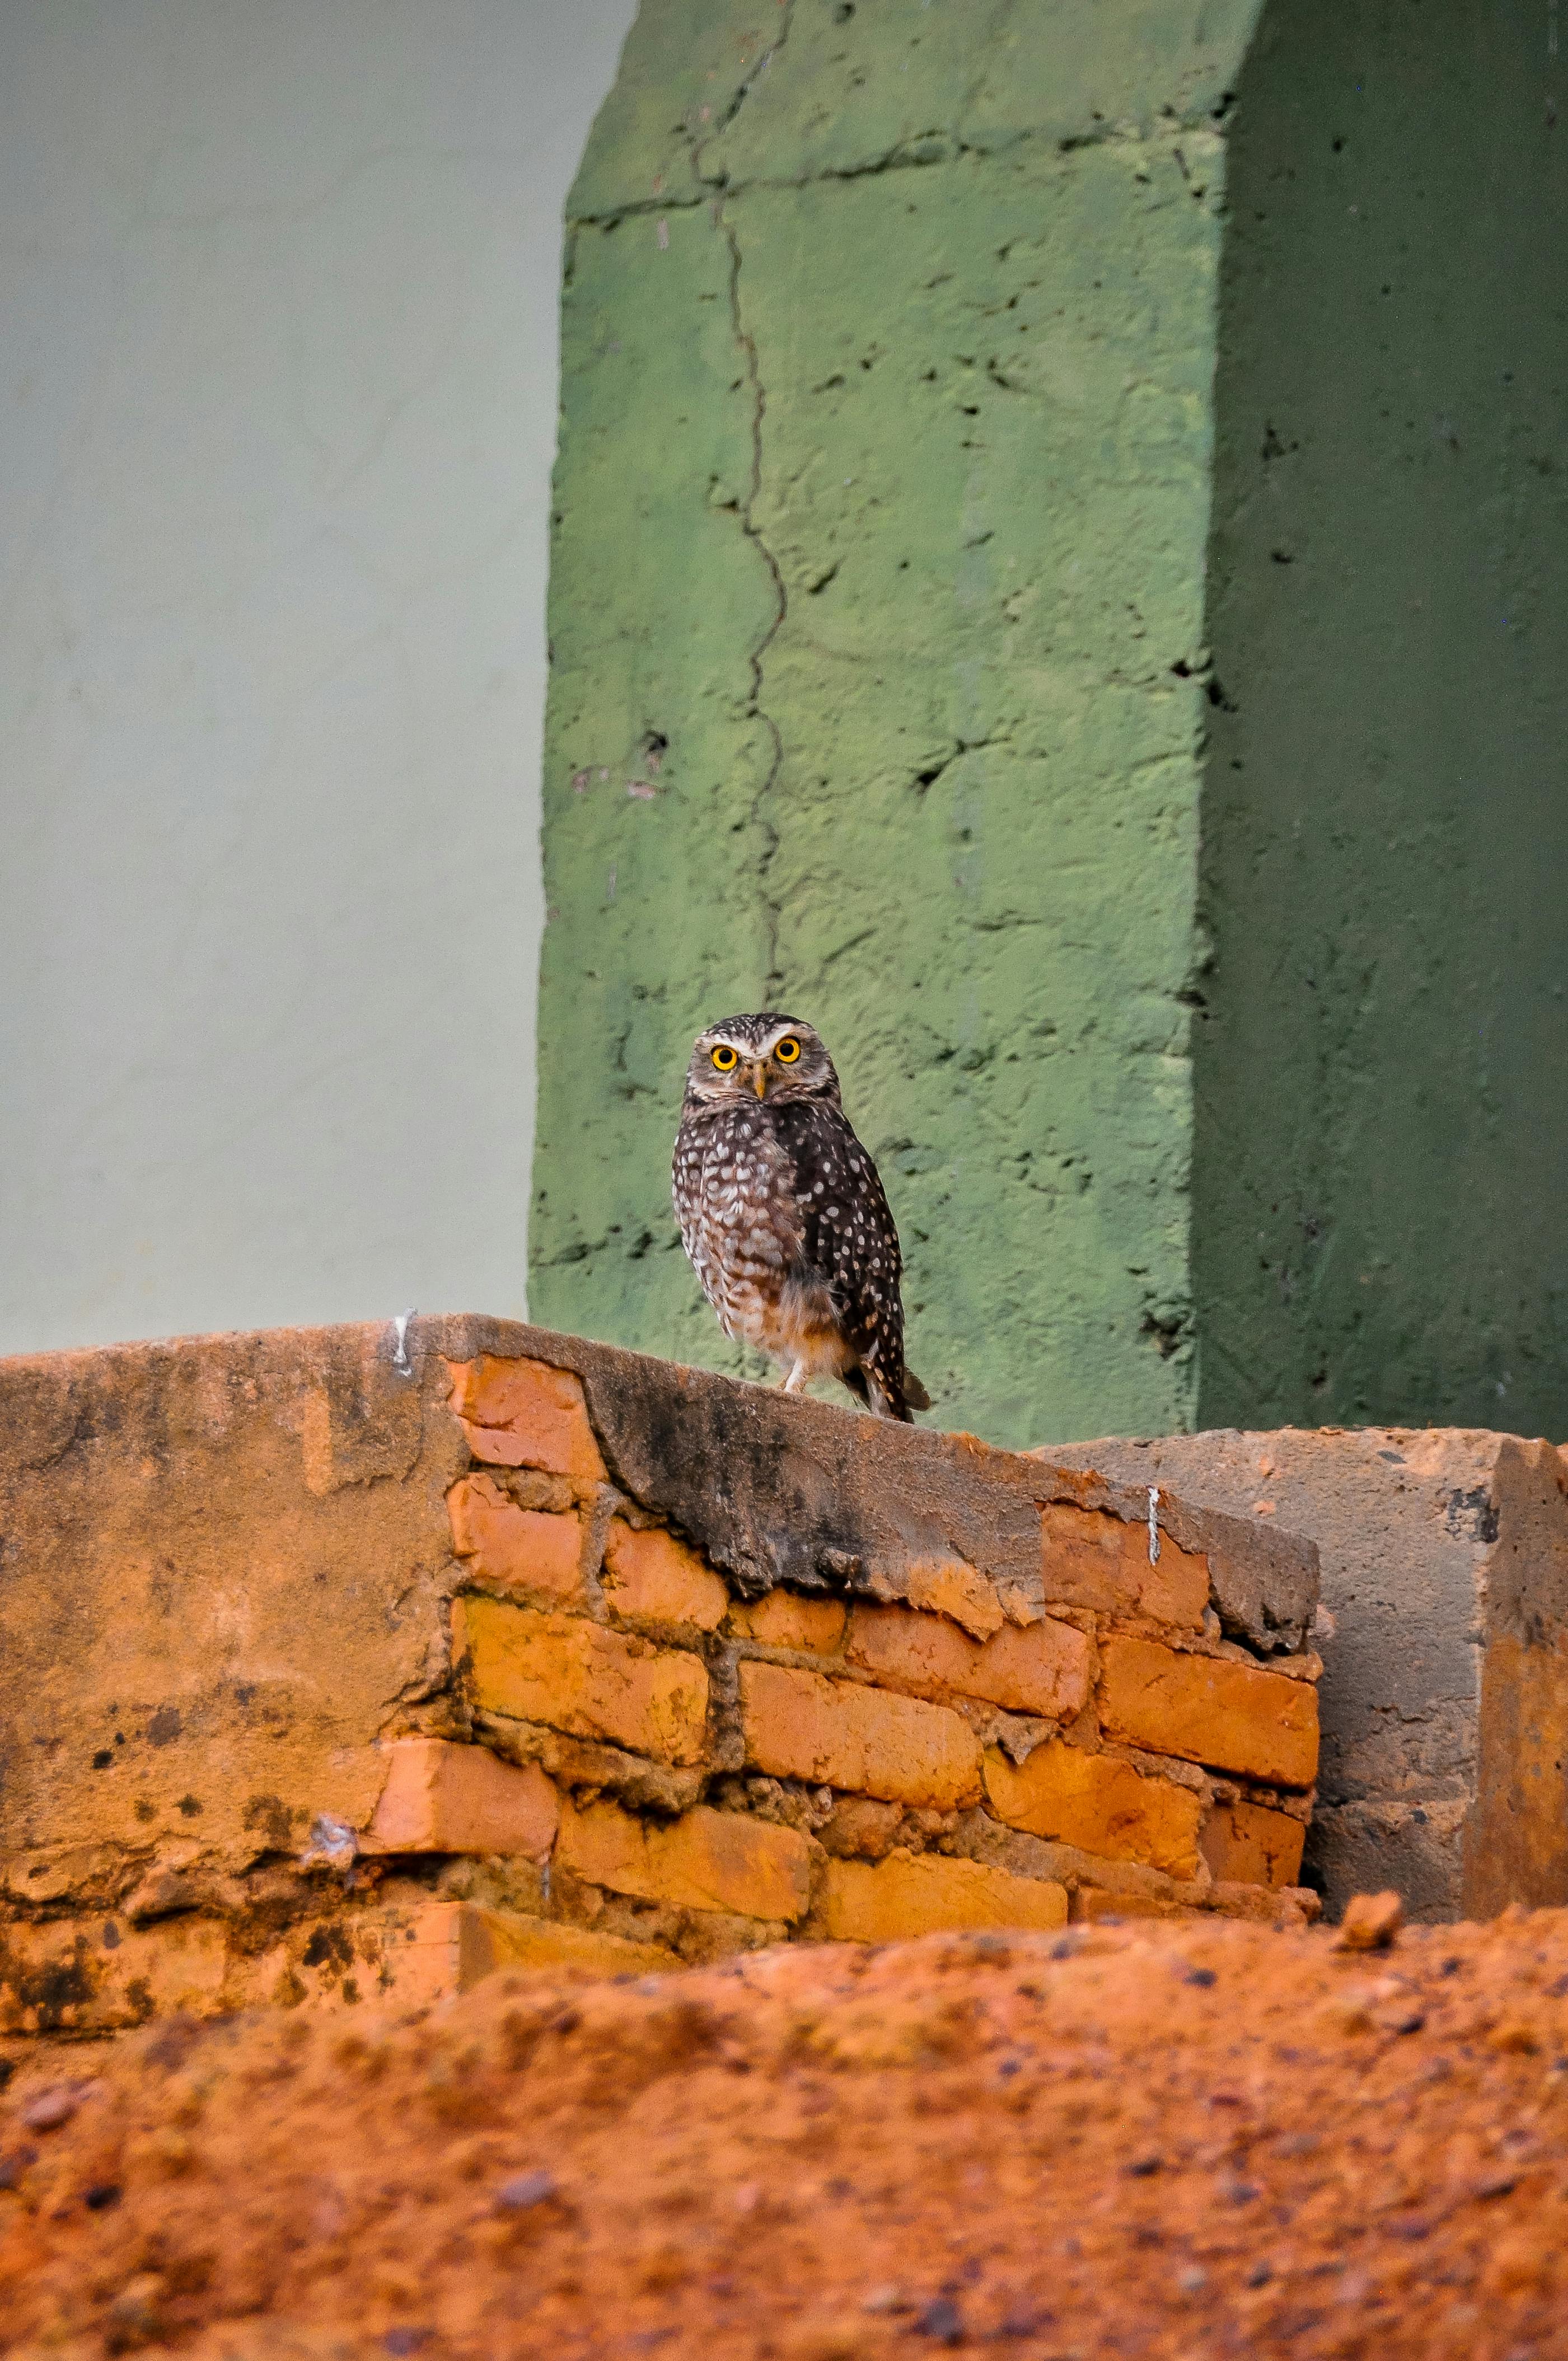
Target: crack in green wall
x,y
888,432
891,520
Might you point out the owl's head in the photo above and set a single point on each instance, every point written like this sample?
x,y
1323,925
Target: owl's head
x,y
768,1057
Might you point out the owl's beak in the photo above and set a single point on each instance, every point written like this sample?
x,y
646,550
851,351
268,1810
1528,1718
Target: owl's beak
x,y
759,1078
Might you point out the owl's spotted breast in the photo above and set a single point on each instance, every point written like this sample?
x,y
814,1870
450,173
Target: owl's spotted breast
x,y
737,1219
783,1218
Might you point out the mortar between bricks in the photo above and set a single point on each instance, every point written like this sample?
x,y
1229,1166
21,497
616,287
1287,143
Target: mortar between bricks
x,y
672,1662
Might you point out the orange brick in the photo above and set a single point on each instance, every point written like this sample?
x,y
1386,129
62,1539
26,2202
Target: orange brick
x,y
444,1798
1249,1843
651,1573
800,1725
704,1861
512,1547
952,1587
1098,1804
925,1894
516,1941
1210,1710
1090,1558
576,1676
1043,1669
526,1414
1091,1902
449,1946
785,1619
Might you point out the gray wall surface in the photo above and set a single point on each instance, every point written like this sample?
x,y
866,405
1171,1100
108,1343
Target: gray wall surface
x,y
278,386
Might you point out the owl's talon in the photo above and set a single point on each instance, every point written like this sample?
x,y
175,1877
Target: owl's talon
x,y
795,1382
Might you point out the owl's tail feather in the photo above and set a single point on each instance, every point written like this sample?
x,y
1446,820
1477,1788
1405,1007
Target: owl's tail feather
x,y
912,1398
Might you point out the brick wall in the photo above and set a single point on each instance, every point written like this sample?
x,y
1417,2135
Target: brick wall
x,y
386,1672
1443,1627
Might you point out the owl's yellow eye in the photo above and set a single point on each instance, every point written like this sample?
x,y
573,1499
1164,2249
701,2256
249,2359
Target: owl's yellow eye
x,y
725,1058
787,1050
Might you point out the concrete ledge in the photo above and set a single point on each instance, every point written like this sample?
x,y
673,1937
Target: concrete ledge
x,y
716,1459
1443,1630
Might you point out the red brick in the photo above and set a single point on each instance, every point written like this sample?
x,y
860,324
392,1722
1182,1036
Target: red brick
x,y
1043,1669
1209,1709
444,1798
951,1587
513,1548
649,1573
1098,1804
1091,1902
1250,1843
450,1946
925,1894
576,1676
704,1861
800,1725
784,1619
1090,1558
526,1414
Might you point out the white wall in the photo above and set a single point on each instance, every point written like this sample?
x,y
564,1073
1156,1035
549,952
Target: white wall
x,y
277,362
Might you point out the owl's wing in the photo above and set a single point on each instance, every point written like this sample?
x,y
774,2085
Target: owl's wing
x,y
849,1239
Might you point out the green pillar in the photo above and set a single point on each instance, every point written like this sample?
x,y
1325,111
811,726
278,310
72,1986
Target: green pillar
x,y
1382,1056
898,508
883,494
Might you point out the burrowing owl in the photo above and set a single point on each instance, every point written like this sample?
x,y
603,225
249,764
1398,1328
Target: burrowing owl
x,y
783,1215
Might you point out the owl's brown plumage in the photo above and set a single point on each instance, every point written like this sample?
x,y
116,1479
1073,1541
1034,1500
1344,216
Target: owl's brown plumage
x,y
783,1215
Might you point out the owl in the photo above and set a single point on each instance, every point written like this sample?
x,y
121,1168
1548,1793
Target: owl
x,y
782,1215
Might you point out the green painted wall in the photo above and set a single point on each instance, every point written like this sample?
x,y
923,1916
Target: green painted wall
x,y
1148,775
882,496
1382,1127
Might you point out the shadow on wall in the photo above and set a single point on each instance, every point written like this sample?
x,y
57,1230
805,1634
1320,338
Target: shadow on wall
x,y
1382,1124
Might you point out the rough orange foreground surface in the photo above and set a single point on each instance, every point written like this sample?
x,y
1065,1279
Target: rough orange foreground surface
x,y
1185,2140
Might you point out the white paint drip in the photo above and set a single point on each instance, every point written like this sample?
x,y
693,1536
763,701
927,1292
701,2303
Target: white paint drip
x,y
401,1361
1154,1524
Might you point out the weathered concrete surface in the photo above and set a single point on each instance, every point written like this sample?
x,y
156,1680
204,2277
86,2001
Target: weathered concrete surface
x,y
1380,1130
1444,1632
223,1563
875,611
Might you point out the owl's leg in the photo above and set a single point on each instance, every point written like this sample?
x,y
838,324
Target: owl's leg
x,y
797,1378
879,1402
